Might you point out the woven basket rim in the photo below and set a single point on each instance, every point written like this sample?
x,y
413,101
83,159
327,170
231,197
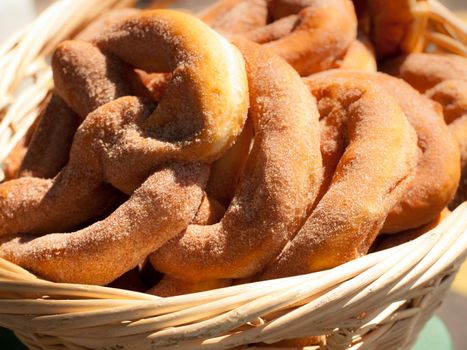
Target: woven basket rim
x,y
302,303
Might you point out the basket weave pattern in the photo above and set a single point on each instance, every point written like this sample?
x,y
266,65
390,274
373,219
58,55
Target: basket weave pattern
x,y
380,301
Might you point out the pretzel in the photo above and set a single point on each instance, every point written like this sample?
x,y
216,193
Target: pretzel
x,y
226,172
364,176
390,23
274,192
75,96
159,209
310,34
430,190
237,16
360,55
393,240
452,95
48,151
423,70
129,143
443,78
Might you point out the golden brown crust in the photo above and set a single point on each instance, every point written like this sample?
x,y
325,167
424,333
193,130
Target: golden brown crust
x,y
323,32
437,172
236,17
309,34
452,95
272,197
424,70
372,150
159,209
443,78
393,240
360,55
50,145
390,22
227,171
118,144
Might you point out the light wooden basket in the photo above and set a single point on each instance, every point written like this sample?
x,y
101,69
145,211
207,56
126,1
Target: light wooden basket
x,y
380,301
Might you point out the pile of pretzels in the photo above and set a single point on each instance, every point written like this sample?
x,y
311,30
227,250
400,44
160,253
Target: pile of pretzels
x,y
254,140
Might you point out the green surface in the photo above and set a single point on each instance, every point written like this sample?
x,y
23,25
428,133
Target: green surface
x,y
434,336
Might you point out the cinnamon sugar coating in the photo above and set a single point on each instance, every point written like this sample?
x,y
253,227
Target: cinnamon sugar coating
x,y
443,78
437,171
164,143
360,55
159,155
281,179
424,70
312,35
163,205
85,79
452,95
370,147
236,17
227,171
50,145
438,168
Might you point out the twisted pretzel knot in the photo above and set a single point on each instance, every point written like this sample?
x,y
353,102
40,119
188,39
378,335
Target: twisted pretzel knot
x,y
158,154
442,78
311,35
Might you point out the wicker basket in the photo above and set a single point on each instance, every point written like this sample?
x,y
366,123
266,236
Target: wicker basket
x,y
380,301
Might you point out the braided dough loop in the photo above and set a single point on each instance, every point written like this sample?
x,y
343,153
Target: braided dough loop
x,y
207,87
312,35
452,95
423,71
50,145
437,171
368,141
85,79
98,254
216,117
122,144
360,56
390,23
236,17
443,78
227,171
272,197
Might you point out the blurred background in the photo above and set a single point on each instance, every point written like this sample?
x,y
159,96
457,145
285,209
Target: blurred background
x,y
15,14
